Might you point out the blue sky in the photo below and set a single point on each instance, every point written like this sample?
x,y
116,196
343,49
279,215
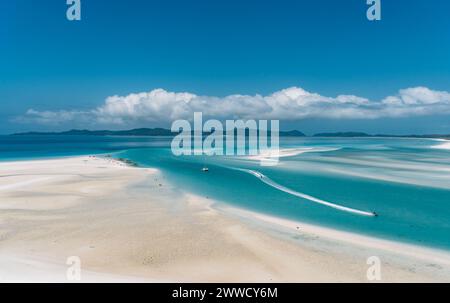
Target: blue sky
x,y
217,48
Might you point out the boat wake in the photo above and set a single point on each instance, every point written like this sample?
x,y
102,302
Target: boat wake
x,y
273,184
445,145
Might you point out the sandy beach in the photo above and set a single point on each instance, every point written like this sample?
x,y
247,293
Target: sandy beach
x,y
130,224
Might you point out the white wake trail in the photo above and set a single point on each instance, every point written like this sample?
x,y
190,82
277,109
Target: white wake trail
x,y
272,183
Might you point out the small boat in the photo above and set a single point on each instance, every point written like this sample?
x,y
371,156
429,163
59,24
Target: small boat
x,y
205,169
375,214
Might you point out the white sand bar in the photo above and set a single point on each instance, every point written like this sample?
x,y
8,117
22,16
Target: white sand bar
x,y
131,225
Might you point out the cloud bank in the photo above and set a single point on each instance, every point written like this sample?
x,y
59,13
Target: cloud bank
x,y
161,106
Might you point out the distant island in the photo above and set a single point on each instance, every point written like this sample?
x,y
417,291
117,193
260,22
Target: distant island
x,y
342,134
167,132
363,135
77,132
132,132
292,133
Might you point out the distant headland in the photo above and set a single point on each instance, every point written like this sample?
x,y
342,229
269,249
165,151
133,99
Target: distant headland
x,y
149,132
156,132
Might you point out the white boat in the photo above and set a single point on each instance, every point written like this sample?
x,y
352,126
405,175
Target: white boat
x,y
205,169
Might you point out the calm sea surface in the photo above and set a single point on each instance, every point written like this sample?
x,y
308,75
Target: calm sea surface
x,y
405,181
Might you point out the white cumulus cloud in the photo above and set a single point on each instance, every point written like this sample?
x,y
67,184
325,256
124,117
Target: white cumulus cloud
x,y
161,106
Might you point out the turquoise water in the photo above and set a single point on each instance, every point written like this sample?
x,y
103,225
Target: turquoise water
x,y
405,181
